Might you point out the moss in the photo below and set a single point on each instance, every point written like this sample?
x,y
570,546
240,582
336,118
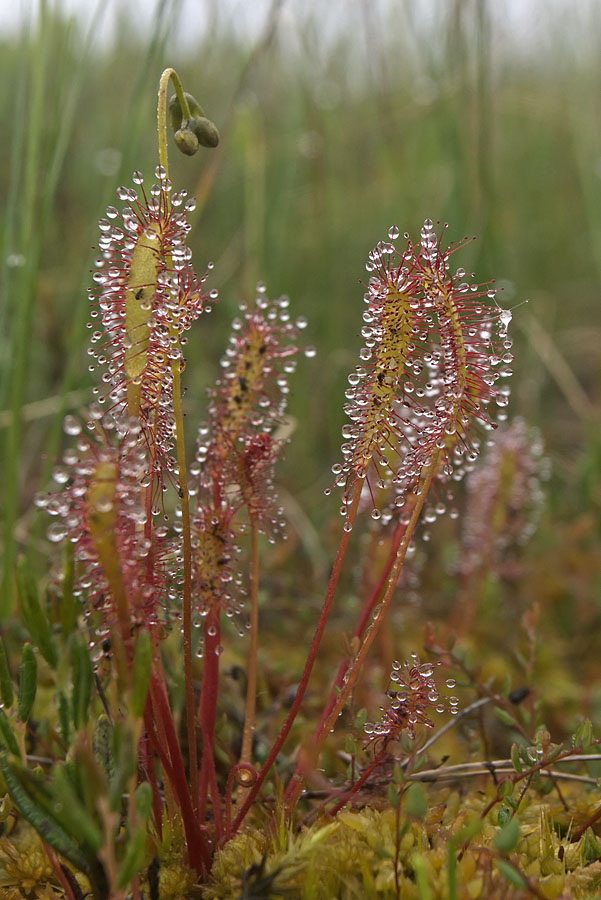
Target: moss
x,y
353,856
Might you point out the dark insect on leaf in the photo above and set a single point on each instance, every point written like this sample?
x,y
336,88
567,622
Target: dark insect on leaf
x,y
519,694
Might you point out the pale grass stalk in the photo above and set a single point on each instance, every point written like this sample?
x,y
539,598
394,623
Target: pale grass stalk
x,y
251,676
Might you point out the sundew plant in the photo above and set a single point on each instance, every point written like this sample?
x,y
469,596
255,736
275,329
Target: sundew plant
x,y
136,793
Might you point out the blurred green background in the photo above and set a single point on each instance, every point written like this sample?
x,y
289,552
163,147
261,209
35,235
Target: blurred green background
x,y
335,125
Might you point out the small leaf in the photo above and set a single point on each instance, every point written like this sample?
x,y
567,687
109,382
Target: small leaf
x,y
7,735
421,877
134,858
144,800
360,719
64,717
34,616
102,744
83,679
583,736
508,837
506,788
28,682
416,802
71,812
397,774
125,763
350,744
516,760
393,795
504,815
471,827
48,829
505,717
510,873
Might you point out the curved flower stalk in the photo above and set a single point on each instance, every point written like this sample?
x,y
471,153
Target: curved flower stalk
x,y
147,295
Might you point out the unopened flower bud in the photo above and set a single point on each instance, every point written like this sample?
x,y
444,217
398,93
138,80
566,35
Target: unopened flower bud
x,y
205,131
186,141
176,114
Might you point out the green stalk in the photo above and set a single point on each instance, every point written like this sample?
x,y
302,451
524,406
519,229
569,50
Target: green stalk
x,y
181,461
25,292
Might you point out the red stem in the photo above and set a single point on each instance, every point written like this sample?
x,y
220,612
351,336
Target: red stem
x,y
295,785
358,784
198,852
58,871
311,656
363,621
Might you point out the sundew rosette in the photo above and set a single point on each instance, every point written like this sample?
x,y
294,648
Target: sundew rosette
x,y
147,297
101,509
415,694
435,348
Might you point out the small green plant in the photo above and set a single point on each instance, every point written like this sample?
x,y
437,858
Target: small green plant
x,y
137,795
